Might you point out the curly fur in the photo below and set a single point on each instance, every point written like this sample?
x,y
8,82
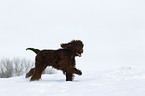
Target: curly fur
x,y
61,59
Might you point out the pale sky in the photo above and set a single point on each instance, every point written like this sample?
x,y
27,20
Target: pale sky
x,y
113,31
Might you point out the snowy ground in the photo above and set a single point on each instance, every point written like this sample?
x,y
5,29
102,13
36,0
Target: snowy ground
x,y
124,82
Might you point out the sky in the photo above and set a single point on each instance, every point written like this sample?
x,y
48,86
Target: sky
x,y
113,31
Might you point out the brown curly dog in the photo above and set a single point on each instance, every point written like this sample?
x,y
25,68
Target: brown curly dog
x,y
61,59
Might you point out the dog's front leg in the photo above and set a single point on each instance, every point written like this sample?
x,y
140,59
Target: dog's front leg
x,y
77,71
69,76
69,71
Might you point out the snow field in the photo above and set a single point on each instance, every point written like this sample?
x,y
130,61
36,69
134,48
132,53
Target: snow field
x,y
124,82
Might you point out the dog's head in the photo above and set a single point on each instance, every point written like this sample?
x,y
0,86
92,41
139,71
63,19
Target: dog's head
x,y
75,45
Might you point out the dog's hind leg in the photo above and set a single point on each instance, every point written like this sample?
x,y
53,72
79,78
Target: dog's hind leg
x,y
37,73
30,73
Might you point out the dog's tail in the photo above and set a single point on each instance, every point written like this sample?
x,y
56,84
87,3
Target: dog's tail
x,y
34,50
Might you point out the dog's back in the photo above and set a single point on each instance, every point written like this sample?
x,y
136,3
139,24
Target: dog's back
x,y
55,58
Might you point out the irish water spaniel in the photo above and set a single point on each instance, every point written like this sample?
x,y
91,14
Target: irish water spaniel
x,y
61,59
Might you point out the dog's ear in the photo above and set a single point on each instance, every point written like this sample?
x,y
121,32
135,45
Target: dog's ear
x,y
67,45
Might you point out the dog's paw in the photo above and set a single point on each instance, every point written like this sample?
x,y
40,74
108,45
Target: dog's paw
x,y
79,72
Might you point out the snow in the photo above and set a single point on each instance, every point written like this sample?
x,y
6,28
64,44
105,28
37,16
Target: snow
x,y
121,82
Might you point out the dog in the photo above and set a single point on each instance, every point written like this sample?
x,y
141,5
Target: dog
x,y
61,59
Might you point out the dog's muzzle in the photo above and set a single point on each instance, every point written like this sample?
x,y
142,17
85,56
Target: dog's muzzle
x,y
79,54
